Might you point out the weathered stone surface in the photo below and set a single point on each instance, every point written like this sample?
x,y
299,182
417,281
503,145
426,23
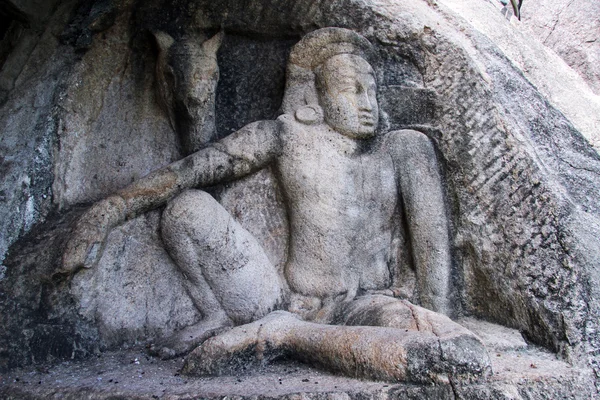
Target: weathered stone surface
x,y
571,94
187,76
40,320
495,337
132,374
149,298
110,121
32,82
571,30
521,181
341,183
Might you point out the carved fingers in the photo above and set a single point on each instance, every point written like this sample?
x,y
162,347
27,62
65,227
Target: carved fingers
x,y
89,235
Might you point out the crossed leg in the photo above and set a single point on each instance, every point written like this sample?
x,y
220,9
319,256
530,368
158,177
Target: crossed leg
x,y
383,338
225,271
231,282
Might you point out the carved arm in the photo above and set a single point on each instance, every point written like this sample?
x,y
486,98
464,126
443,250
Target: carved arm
x,y
237,155
420,184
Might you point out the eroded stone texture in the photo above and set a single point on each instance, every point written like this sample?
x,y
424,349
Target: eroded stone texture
x,y
131,374
219,272
571,94
571,29
187,76
522,183
340,183
31,84
149,298
111,116
436,350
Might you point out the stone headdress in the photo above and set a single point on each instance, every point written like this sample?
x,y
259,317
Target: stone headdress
x,y
313,50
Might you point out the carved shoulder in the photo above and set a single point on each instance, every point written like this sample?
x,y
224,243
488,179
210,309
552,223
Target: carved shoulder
x,y
409,144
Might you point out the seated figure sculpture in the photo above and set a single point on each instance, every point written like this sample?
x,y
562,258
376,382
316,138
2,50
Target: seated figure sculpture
x,y
343,184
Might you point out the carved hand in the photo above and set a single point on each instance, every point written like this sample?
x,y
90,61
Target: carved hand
x,y
86,244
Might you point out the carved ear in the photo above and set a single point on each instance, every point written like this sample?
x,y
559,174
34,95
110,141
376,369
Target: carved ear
x,y
163,40
310,95
164,86
211,46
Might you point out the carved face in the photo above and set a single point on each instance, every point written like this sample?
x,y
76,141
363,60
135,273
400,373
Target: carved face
x,y
194,77
348,94
187,79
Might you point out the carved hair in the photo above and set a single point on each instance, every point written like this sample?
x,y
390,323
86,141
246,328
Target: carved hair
x,y
308,54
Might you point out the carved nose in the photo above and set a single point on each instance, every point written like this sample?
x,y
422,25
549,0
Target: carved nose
x,y
200,94
365,103
198,97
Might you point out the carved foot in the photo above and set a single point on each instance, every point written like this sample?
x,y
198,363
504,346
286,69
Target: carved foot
x,y
458,351
461,352
185,340
243,346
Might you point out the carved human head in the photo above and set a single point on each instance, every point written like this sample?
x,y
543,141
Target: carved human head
x,y
347,92
329,79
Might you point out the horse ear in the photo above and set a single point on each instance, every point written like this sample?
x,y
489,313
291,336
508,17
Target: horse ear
x,y
164,86
163,40
211,46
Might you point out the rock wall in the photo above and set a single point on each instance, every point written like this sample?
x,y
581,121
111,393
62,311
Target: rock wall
x,y
571,29
572,93
82,120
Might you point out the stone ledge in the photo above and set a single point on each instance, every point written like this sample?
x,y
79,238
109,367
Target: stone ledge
x,y
131,374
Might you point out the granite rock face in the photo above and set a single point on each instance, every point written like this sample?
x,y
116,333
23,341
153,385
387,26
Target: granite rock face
x,y
572,94
570,29
80,120
514,378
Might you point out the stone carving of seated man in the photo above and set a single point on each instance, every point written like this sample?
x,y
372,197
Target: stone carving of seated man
x,y
343,185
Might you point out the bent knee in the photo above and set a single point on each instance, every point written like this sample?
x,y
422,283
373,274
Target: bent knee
x,y
192,209
188,202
